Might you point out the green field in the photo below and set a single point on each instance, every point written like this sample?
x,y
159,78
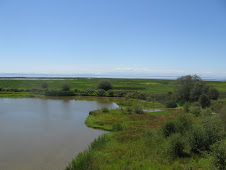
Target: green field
x,y
152,85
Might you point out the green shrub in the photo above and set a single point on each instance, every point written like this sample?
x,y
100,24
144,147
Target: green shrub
x,y
186,107
44,85
223,116
110,93
138,110
197,138
204,101
175,146
213,93
196,110
141,96
76,90
59,93
205,134
219,155
98,143
83,161
213,129
100,93
104,109
184,123
129,110
117,127
171,104
169,128
206,112
105,85
66,87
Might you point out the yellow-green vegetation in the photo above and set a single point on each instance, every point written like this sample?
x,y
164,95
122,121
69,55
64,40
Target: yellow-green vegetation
x,y
192,137
143,103
168,139
151,85
125,119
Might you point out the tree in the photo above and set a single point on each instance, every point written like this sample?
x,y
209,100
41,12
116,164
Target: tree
x,y
44,85
191,88
185,85
204,101
66,87
213,92
105,85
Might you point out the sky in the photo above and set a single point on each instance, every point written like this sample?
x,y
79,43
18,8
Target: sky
x,y
136,37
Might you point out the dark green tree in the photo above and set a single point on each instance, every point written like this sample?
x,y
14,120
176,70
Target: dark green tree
x,y
204,101
190,88
44,85
105,85
185,85
66,87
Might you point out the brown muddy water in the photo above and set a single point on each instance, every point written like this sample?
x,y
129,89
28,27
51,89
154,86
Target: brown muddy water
x,y
45,133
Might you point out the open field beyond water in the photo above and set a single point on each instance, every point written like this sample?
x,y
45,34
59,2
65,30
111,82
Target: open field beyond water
x,y
152,85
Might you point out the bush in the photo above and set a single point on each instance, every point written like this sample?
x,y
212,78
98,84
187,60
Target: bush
x,y
104,109
97,144
206,112
223,116
191,87
184,123
219,155
205,134
213,130
105,85
141,96
169,128
196,110
117,127
175,145
186,107
82,162
66,87
44,85
204,101
100,93
171,104
197,138
87,92
213,93
110,93
138,110
129,110
59,93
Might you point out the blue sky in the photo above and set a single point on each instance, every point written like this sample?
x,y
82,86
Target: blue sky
x,y
142,37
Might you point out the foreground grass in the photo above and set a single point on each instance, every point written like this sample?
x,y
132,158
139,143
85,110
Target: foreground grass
x,y
134,142
125,146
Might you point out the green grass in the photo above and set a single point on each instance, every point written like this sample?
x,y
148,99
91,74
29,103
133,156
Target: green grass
x,y
125,147
159,86
142,103
150,85
137,142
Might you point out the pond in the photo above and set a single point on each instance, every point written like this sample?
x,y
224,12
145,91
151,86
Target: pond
x,y
46,133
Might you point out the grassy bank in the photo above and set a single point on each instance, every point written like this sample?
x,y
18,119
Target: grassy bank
x,y
152,140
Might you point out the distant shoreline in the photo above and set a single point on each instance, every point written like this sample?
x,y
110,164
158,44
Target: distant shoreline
x,y
96,77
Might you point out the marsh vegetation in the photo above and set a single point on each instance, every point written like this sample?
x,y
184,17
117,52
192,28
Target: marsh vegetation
x,y
187,131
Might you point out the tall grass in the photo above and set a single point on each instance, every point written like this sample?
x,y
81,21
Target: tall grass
x,y
85,160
